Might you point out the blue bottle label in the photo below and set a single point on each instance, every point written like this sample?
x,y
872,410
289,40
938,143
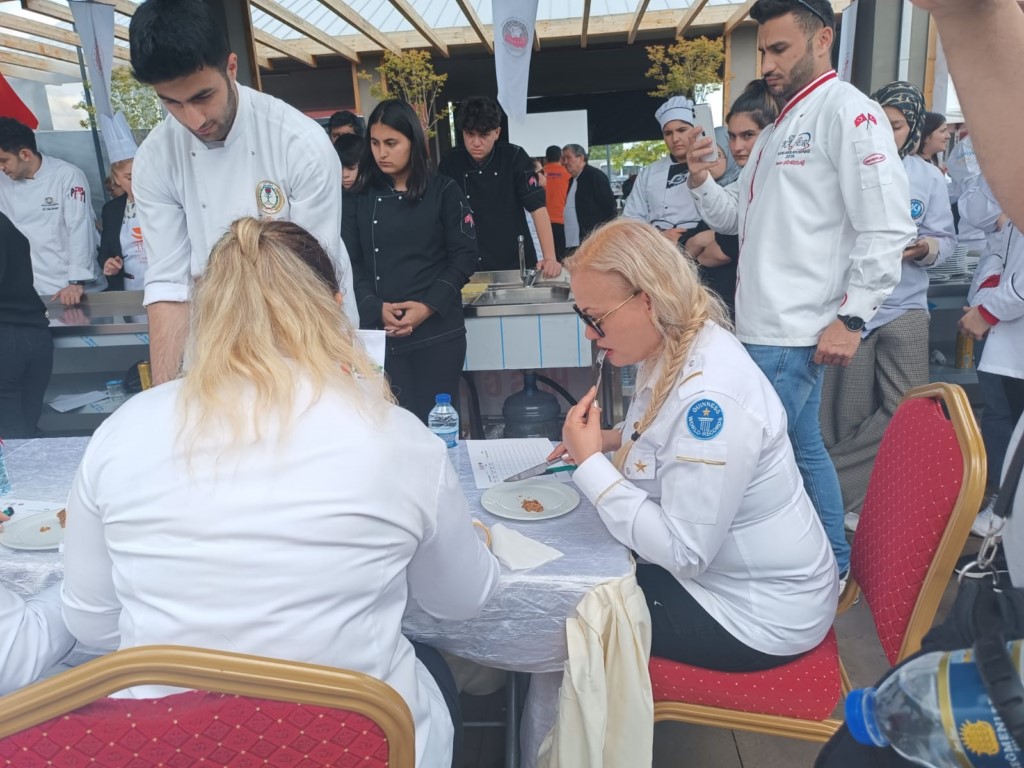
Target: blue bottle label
x,y
451,439
977,736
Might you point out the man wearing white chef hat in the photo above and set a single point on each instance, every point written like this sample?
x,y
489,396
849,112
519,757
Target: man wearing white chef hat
x,y
225,151
660,196
122,253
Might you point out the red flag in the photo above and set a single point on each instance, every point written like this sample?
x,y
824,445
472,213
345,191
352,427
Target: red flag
x,y
12,106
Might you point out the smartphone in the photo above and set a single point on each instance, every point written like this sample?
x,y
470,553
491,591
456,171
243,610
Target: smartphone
x,y
703,120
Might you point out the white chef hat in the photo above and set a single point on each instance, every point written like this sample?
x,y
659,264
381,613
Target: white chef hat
x,y
676,108
118,137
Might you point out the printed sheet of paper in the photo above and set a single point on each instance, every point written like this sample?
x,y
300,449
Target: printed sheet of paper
x,y
65,403
494,460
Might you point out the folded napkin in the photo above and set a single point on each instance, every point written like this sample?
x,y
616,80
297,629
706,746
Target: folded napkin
x,y
518,552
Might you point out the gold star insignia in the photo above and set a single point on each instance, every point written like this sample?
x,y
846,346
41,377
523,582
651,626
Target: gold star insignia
x,y
707,411
640,467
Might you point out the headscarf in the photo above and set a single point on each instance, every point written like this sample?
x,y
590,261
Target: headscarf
x,y
908,99
732,171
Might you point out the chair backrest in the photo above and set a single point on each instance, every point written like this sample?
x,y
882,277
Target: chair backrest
x,y
244,709
925,488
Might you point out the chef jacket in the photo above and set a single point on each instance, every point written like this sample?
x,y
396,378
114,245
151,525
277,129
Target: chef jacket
x,y
711,493
33,637
406,250
54,211
933,215
299,545
275,163
498,189
1004,306
979,207
822,216
662,200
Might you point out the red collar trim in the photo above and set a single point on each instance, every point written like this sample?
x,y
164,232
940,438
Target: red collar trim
x,y
807,90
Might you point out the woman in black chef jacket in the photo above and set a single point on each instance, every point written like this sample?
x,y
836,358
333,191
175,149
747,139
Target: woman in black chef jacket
x,y
411,239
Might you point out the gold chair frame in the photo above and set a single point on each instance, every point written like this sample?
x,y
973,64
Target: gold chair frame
x,y
951,544
217,672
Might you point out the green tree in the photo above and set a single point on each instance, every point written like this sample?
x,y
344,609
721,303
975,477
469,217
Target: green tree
x,y
139,102
410,75
690,68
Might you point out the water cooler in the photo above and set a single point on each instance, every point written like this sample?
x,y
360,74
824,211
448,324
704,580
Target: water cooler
x,y
532,412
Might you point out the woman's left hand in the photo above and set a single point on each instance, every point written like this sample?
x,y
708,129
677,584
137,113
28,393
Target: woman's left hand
x,y
582,430
413,315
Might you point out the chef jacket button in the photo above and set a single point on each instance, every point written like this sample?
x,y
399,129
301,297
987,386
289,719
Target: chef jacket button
x,y
374,221
378,199
376,250
399,197
378,277
495,173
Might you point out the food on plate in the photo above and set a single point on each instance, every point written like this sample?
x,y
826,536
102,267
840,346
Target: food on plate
x,y
44,529
532,505
62,518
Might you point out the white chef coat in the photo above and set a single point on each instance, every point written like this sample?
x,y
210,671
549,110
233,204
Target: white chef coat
x,y
933,216
653,201
979,206
54,211
822,216
133,250
1004,344
963,170
720,503
274,163
302,546
33,637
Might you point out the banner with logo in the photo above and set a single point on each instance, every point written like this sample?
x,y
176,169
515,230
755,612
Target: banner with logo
x,y
513,44
94,23
849,34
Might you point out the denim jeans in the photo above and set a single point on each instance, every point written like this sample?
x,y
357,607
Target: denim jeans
x,y
797,380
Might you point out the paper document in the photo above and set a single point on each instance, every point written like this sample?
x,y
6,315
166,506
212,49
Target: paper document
x,y
375,343
65,403
494,460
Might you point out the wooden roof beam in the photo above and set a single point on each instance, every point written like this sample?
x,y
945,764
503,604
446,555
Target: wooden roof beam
x,y
586,23
689,16
638,16
737,18
44,65
38,49
299,24
357,21
286,47
50,32
421,26
474,22
63,13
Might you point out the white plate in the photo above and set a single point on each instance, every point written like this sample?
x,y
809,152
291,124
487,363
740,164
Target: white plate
x,y
507,499
39,531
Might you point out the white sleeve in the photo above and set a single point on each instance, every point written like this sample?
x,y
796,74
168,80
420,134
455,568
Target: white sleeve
x,y
978,206
1006,301
80,221
33,637
164,227
315,203
91,608
702,486
718,206
636,204
452,575
876,198
937,224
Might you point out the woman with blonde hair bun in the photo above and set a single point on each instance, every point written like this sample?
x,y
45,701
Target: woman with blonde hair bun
x,y
703,484
276,501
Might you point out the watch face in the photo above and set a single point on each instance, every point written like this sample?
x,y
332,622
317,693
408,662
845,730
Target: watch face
x,y
853,323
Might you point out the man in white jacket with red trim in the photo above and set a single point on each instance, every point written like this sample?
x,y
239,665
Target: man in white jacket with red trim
x,y
823,216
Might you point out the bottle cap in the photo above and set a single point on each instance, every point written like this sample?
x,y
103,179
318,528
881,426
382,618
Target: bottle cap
x,y
115,383
442,399
860,718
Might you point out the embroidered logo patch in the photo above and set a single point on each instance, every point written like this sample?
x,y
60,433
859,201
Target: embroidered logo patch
x,y
916,209
874,159
269,198
705,419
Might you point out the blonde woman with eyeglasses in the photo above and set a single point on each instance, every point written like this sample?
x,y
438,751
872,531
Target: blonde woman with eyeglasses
x,y
702,484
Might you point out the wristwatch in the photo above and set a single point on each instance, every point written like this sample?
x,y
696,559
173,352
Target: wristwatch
x,y
76,282
853,324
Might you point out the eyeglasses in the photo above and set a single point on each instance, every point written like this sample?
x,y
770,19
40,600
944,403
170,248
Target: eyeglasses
x,y
595,324
815,11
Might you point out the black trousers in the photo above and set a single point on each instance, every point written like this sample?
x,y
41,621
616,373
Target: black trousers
x,y
417,377
683,631
558,233
442,674
26,361
1014,389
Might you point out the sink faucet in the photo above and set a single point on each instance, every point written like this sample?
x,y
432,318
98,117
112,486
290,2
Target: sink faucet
x,y
528,276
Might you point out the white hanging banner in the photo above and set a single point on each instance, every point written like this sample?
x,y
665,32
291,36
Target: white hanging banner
x,y
514,21
94,23
846,40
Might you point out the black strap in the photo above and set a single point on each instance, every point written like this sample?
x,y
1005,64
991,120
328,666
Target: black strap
x,y
1002,681
1004,502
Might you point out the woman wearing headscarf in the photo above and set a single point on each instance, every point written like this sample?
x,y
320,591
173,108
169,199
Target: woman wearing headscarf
x,y
858,401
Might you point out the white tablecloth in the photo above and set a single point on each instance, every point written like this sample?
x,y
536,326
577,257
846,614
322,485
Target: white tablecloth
x,y
521,629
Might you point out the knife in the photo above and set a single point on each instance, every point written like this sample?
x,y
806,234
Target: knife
x,y
546,468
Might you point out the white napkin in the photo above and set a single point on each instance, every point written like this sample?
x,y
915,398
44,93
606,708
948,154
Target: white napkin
x,y
518,552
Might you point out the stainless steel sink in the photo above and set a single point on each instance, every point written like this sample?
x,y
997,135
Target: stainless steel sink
x,y
545,294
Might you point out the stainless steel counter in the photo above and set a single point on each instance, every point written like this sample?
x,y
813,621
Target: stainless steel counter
x,y
100,314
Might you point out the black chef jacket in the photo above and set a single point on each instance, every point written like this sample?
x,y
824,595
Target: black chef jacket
x,y
403,250
499,190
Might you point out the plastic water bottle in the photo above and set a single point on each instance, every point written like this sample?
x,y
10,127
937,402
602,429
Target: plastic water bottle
x,y
5,481
444,420
935,712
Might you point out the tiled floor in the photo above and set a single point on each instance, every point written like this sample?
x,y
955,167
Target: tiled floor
x,y
679,745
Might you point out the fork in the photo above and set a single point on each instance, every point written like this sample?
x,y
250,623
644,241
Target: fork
x,y
598,368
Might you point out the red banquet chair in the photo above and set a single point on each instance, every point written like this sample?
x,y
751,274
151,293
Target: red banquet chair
x,y
243,711
925,488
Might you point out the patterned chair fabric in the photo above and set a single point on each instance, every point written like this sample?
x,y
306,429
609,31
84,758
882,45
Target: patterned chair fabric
x,y
807,688
913,490
199,729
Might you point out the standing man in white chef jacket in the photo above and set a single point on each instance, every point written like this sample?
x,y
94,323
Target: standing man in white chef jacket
x,y
48,200
225,151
